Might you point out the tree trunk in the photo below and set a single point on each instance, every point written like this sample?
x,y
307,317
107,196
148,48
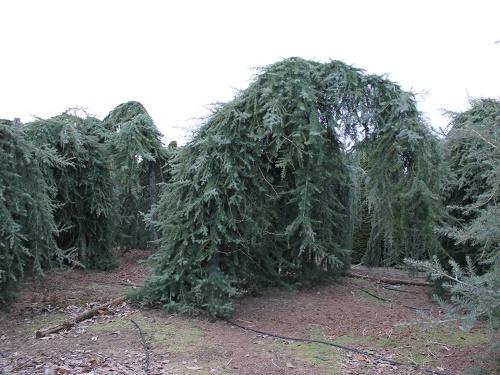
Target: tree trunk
x,y
153,194
82,249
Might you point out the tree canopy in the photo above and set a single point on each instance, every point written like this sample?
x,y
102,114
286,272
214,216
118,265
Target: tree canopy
x,y
310,165
71,187
473,190
83,185
262,194
472,230
27,226
137,157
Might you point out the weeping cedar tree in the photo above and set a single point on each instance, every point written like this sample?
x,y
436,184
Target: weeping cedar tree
x,y
27,226
137,156
473,158
262,194
397,176
83,187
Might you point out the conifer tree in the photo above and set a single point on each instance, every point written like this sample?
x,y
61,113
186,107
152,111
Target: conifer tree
x,y
83,187
27,226
137,157
262,194
472,236
403,181
473,190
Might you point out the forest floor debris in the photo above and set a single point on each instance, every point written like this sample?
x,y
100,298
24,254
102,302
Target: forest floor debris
x,y
108,343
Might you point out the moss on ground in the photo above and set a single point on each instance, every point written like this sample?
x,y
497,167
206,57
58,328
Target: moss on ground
x,y
414,346
325,359
368,297
177,337
455,337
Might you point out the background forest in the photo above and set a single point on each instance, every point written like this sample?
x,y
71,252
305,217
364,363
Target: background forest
x,y
312,167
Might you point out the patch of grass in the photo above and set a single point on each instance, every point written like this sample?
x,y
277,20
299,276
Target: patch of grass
x,y
326,359
449,336
362,341
317,332
412,346
457,338
176,337
42,321
368,297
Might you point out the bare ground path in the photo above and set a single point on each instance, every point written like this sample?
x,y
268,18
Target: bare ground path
x,y
347,312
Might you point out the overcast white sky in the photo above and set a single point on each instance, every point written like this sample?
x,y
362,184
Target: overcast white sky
x,y
178,57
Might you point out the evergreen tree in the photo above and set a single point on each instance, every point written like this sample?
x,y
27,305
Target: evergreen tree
x,y
27,226
137,156
473,192
262,194
83,187
361,215
404,177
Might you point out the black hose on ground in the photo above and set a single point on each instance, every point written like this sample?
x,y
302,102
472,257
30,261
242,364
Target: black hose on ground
x,y
343,347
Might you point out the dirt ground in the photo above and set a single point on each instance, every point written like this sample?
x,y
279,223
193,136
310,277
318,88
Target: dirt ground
x,y
395,322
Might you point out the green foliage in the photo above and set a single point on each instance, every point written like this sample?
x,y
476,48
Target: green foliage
x,y
473,190
404,179
472,295
473,160
69,186
262,194
137,158
361,215
27,226
83,186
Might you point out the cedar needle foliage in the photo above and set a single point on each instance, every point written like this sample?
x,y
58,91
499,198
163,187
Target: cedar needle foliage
x,y
72,186
262,194
472,154
27,226
83,186
137,161
472,151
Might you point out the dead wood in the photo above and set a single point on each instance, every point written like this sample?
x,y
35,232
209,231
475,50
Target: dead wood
x,y
67,324
396,289
77,264
389,280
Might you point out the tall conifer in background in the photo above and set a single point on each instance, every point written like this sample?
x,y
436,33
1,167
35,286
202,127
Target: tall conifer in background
x,y
137,160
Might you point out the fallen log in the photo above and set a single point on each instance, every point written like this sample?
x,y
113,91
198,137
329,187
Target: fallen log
x,y
67,324
389,281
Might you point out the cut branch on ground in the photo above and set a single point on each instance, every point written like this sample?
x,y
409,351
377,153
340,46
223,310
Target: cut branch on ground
x,y
67,324
390,281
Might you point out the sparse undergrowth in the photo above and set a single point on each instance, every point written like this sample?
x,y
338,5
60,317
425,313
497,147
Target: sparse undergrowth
x,y
183,345
175,336
410,345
